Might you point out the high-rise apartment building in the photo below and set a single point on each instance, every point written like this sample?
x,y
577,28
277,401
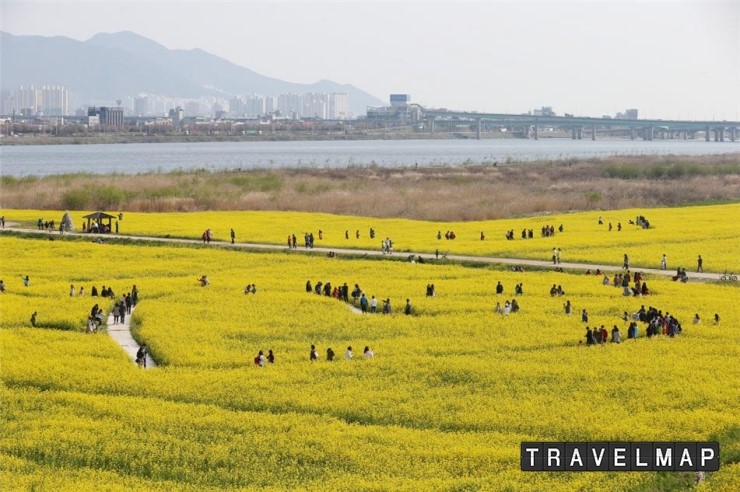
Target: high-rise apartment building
x,y
141,106
48,100
314,105
289,105
53,100
27,101
338,106
192,109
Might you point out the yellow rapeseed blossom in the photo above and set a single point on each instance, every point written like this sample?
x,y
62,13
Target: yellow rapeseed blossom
x,y
451,392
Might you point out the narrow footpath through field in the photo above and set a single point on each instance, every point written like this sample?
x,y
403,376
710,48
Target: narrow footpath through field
x,y
121,333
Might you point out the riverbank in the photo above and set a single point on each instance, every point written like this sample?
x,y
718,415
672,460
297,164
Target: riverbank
x,y
265,136
441,193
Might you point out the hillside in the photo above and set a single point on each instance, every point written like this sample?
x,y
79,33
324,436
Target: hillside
x,y
111,66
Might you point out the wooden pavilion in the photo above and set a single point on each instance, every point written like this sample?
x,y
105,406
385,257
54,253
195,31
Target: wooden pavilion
x,y
96,222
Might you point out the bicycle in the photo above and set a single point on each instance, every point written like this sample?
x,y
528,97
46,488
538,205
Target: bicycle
x,y
728,277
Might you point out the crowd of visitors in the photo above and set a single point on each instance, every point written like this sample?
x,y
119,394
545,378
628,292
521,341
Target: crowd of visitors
x,y
313,354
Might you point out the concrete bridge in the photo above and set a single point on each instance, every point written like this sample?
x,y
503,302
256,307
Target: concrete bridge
x,y
530,125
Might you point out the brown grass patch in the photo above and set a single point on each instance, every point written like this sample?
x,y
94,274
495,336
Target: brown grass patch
x,y
437,193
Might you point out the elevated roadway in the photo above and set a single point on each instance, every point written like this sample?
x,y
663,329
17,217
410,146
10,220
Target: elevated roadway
x,y
647,129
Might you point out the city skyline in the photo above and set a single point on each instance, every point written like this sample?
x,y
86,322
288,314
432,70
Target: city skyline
x,y
670,60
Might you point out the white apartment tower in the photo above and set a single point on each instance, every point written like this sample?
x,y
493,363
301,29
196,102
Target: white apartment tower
x,y
49,100
338,106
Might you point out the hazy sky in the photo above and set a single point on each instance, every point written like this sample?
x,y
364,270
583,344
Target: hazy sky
x,y
671,60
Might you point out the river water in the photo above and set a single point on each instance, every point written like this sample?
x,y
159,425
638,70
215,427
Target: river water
x,y
43,160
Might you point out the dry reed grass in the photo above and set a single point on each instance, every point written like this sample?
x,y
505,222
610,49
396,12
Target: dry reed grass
x,y
438,193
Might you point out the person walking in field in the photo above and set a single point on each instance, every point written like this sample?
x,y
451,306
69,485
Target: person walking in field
x,y
26,280
270,357
233,236
584,316
348,353
699,264
567,307
664,262
373,305
260,359
590,340
141,356
313,356
626,262
329,354
616,336
33,319
407,309
72,290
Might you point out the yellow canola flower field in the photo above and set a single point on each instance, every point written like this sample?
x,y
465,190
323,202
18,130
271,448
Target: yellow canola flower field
x,y
680,233
451,392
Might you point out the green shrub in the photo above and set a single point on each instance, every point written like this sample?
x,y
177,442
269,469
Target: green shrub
x,y
76,199
108,197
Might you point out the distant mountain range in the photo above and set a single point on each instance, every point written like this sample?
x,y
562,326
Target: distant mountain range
x,y
113,66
